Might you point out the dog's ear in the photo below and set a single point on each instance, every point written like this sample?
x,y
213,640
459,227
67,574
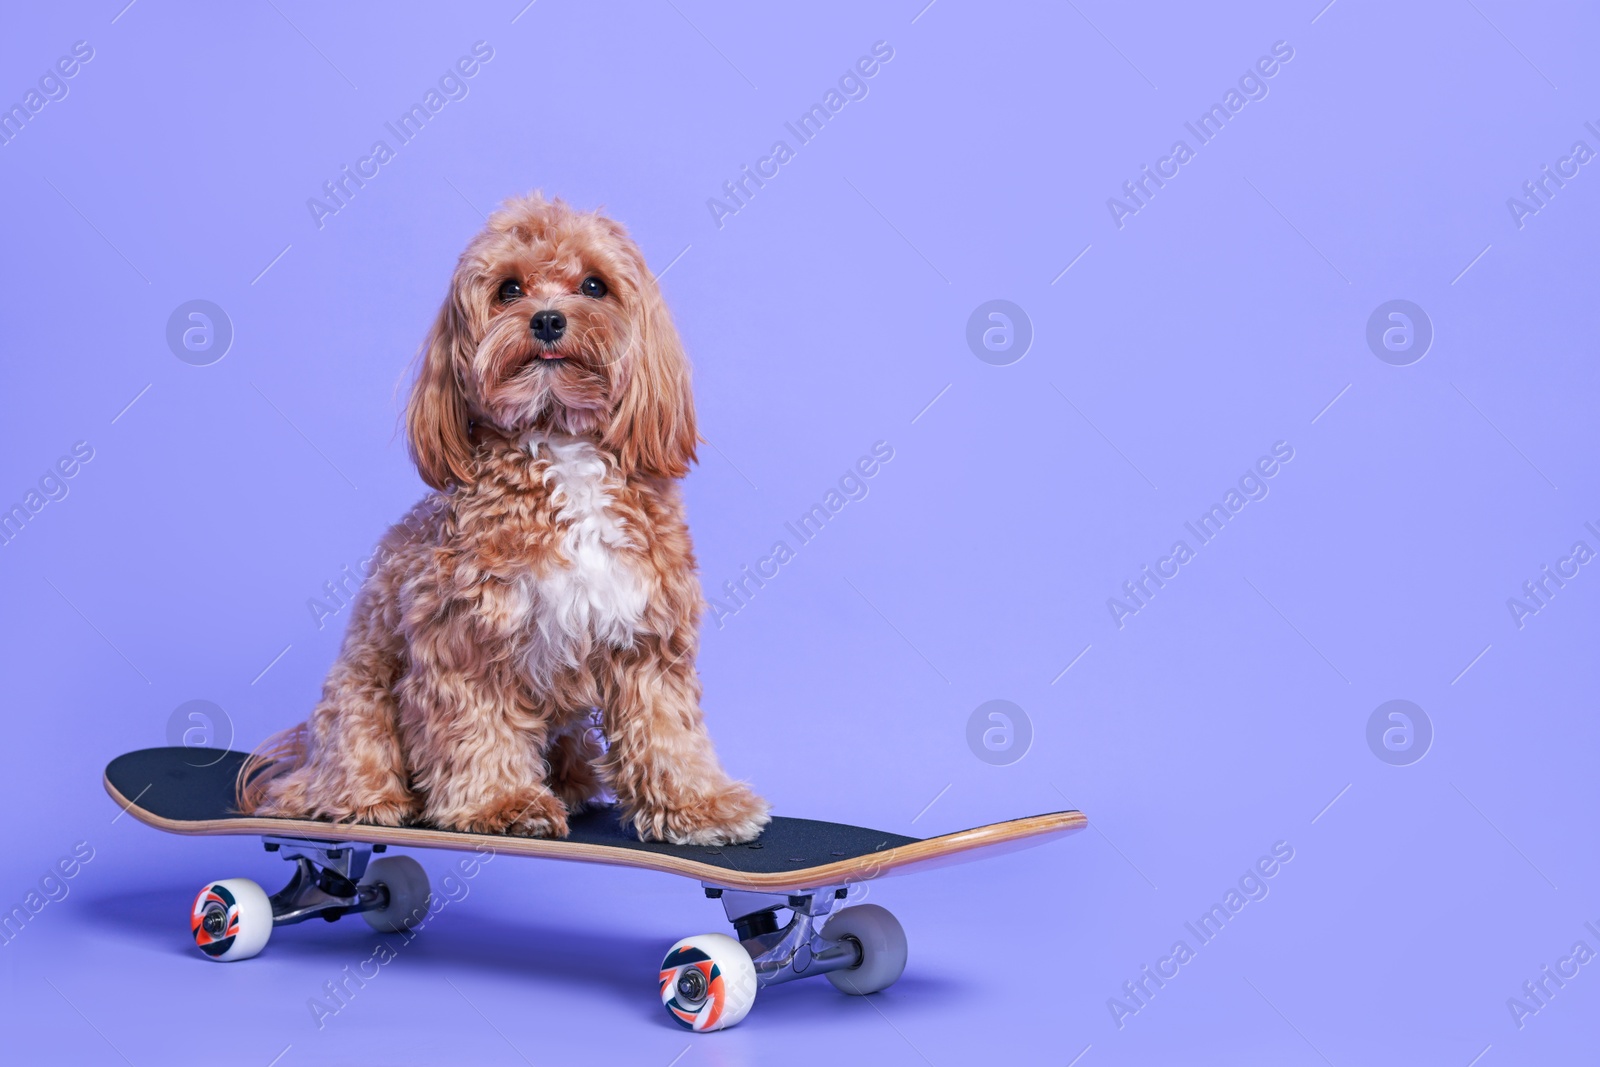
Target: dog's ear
x,y
653,430
437,430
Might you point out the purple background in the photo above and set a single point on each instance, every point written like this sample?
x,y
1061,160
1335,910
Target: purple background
x,y
822,317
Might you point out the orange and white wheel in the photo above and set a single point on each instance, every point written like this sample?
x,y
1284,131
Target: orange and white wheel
x,y
231,919
708,982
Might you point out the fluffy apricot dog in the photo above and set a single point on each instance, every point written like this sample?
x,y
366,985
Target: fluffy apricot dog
x,y
550,573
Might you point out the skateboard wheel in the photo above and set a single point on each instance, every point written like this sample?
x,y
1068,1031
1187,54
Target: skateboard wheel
x,y
708,982
883,948
231,919
409,895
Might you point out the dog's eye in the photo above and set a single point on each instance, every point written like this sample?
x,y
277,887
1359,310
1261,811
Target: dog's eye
x,y
593,286
510,289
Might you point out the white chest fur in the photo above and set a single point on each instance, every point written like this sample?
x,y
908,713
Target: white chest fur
x,y
596,594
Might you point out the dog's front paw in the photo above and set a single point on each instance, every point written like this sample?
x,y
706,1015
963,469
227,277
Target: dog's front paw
x,y
531,814
729,817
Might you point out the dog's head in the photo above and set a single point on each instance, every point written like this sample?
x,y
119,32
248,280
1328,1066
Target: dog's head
x,y
553,323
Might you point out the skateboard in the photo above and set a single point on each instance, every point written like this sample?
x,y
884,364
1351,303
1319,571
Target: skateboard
x,y
707,982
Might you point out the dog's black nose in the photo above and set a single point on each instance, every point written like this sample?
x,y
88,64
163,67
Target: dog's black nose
x,y
548,326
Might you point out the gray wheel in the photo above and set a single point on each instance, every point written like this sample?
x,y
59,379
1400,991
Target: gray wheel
x,y
407,884
883,948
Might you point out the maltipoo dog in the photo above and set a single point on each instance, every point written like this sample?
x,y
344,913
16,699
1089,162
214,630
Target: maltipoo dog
x,y
550,574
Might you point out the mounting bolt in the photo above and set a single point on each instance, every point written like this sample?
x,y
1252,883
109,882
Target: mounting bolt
x,y
713,893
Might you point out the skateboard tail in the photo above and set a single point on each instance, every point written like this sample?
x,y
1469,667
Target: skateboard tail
x,y
279,754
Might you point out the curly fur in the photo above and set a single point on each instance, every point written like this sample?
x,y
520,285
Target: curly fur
x,y
550,573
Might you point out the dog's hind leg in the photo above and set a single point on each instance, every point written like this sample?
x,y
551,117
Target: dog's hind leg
x,y
354,767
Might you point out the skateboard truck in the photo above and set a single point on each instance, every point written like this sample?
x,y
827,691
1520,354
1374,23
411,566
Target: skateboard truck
x,y
798,950
326,880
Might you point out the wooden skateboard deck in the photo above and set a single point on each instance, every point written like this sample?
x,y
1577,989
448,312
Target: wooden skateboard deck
x,y
191,791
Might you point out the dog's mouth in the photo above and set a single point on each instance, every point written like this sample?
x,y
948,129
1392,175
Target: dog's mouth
x,y
550,357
